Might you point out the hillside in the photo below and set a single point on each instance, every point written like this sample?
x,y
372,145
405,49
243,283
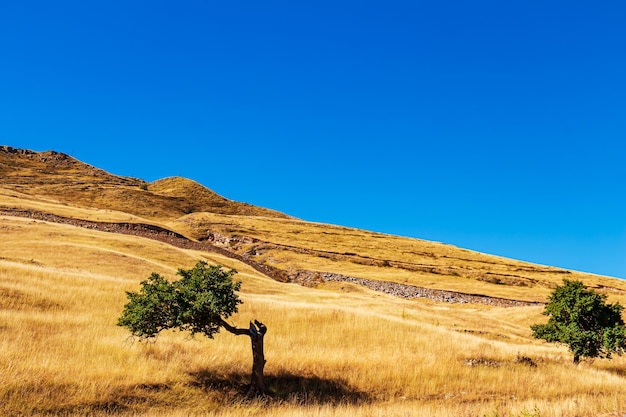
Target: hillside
x,y
360,323
59,178
312,254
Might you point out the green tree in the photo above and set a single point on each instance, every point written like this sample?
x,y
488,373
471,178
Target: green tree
x,y
200,302
582,319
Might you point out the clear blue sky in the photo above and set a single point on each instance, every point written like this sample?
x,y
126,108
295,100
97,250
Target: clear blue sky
x,y
498,126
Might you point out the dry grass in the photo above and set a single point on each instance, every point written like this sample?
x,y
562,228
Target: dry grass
x,y
195,197
338,350
59,178
329,352
295,244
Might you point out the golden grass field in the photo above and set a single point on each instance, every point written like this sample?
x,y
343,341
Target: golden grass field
x,y
335,350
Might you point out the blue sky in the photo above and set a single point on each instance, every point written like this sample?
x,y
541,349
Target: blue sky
x,y
498,126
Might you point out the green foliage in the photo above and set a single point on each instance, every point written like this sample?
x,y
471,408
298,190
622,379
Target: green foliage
x,y
198,302
581,319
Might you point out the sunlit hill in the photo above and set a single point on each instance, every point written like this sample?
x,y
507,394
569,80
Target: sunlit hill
x,y
359,323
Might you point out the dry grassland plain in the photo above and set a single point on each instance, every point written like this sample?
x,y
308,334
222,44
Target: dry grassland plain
x,y
337,350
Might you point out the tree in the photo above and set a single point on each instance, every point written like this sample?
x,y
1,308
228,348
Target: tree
x,y
200,302
581,319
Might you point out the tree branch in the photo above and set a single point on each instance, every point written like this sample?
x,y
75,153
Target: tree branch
x,y
234,330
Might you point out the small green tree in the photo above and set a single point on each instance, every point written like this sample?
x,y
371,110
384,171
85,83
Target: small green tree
x,y
200,302
581,319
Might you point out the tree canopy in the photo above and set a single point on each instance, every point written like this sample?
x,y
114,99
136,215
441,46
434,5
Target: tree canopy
x,y
582,319
198,302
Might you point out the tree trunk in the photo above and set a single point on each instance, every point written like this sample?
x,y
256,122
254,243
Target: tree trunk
x,y
256,331
257,383
576,359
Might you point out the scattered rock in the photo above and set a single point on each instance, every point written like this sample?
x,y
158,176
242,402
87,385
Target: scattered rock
x,y
218,243
410,291
483,362
525,360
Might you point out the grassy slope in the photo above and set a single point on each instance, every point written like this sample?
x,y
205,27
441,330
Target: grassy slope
x,y
56,177
54,182
295,244
62,289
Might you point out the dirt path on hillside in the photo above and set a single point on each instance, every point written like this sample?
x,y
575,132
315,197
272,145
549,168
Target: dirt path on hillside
x,y
303,277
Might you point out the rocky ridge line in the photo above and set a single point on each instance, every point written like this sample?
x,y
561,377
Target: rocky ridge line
x,y
302,277
410,291
250,246
147,231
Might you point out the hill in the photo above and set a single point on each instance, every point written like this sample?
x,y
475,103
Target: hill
x,y
360,323
287,248
59,178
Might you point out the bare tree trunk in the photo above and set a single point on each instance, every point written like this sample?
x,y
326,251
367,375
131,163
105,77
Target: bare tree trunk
x,y
576,359
256,331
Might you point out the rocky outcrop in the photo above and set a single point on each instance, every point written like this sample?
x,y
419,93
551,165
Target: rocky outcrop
x,y
302,277
8,149
407,291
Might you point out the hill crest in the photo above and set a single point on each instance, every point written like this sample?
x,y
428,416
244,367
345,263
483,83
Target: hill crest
x,y
203,199
58,176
